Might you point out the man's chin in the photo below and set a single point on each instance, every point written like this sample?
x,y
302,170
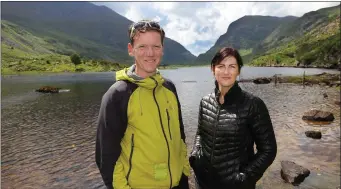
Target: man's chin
x,y
151,71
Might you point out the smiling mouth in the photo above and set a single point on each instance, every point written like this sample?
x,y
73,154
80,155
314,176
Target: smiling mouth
x,y
150,61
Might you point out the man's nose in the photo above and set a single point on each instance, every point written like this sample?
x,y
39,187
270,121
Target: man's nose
x,y
150,51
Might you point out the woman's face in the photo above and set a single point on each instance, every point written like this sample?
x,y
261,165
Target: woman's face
x,y
226,71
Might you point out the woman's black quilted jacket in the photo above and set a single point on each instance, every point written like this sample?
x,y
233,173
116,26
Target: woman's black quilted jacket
x,y
224,144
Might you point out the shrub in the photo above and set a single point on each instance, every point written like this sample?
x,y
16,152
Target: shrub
x,y
75,59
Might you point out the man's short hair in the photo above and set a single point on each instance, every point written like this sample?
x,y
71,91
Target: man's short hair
x,y
144,26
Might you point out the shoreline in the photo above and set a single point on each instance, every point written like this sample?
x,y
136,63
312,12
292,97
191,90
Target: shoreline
x,y
325,79
316,67
161,67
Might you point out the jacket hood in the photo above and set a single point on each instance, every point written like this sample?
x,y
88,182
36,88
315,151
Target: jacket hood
x,y
149,82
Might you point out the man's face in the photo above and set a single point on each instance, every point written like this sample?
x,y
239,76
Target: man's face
x,y
148,51
226,71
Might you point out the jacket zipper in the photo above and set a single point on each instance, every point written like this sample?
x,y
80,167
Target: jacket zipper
x,y
215,131
168,119
131,155
163,131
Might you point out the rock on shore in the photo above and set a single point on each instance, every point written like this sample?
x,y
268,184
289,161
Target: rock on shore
x,y
317,115
293,173
314,134
49,89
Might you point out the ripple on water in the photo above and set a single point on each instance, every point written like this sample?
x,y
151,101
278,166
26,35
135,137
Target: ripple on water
x,y
52,137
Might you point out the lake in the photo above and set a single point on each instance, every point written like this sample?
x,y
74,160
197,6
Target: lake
x,y
48,140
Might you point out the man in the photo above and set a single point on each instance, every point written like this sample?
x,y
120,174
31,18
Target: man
x,y
140,137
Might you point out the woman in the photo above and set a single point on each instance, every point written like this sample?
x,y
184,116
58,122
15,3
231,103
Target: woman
x,y
231,121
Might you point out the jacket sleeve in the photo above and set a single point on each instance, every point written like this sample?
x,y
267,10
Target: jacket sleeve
x,y
264,137
186,169
112,123
197,145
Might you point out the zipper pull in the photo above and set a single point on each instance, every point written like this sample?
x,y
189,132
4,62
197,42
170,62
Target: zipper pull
x,y
167,114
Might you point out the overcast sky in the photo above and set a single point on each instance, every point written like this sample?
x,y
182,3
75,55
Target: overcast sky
x,y
198,25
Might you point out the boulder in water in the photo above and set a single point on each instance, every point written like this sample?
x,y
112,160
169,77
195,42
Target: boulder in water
x,y
317,115
293,173
262,80
48,89
314,134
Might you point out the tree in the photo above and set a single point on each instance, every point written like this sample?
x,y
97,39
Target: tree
x,y
75,59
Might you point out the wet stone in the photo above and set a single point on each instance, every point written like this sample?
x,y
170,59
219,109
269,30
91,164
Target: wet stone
x,y
293,173
317,115
314,134
325,95
262,80
48,89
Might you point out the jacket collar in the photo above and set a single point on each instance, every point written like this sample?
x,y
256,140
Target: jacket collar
x,y
148,83
231,96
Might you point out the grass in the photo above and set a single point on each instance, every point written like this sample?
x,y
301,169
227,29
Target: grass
x,y
244,52
24,53
175,66
19,42
319,47
15,61
312,79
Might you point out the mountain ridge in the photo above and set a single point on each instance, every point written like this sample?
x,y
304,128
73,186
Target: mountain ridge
x,y
61,28
72,22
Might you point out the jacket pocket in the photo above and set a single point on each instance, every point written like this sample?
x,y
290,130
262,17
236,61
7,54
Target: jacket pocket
x,y
168,120
131,156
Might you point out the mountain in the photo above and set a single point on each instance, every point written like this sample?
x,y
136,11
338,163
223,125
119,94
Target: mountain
x,y
245,34
287,32
92,31
312,40
21,51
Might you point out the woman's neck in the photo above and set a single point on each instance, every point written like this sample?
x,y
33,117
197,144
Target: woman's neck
x,y
223,92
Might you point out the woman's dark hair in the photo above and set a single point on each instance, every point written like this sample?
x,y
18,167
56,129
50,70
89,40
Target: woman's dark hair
x,y
226,52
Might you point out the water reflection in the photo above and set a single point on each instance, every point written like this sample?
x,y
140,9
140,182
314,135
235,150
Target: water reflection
x,y
47,140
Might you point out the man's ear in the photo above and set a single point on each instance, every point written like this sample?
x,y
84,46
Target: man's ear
x,y
130,49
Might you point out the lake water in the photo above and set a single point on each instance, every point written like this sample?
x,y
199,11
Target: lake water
x,y
48,140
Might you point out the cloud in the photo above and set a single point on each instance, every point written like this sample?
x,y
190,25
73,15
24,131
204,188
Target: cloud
x,y
198,25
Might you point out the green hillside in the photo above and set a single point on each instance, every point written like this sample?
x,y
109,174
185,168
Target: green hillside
x,y
21,51
244,34
93,32
310,41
